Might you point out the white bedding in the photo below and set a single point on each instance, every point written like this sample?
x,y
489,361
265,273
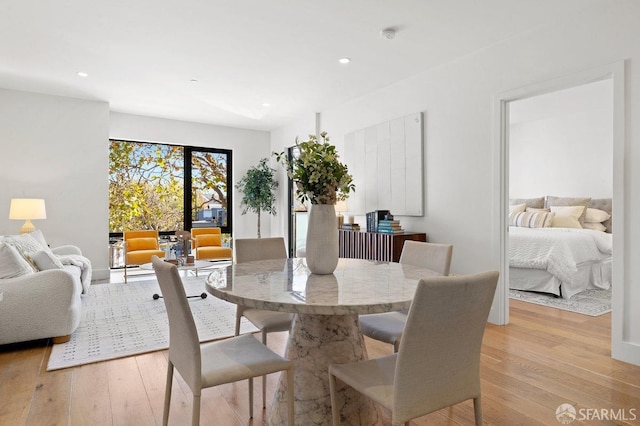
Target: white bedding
x,y
564,253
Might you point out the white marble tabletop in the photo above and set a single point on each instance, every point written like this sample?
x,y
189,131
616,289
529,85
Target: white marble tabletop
x,y
356,287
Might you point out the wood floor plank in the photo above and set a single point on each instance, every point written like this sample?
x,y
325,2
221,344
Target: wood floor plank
x,y
19,372
129,402
50,404
90,398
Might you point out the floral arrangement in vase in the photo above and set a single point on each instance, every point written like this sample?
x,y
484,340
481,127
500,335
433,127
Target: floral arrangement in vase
x,y
317,172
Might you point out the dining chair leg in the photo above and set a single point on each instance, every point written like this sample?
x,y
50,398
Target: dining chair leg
x,y
477,410
195,416
251,398
335,412
264,378
396,345
290,396
125,272
238,317
167,394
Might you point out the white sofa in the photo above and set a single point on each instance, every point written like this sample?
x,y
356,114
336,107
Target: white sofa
x,y
38,304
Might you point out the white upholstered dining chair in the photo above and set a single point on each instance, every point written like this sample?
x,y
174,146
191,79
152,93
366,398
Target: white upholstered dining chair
x,y
388,326
215,363
250,249
438,362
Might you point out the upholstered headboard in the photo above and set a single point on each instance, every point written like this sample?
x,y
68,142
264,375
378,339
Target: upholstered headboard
x,y
603,204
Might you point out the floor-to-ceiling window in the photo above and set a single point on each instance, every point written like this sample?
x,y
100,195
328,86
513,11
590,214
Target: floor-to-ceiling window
x,y
147,184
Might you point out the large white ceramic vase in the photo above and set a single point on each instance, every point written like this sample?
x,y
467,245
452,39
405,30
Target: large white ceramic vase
x,y
322,239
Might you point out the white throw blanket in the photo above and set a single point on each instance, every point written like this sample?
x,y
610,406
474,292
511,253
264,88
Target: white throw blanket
x,y
559,251
85,267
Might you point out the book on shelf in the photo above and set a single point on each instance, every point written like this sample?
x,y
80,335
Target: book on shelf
x,y
390,231
351,226
385,222
374,217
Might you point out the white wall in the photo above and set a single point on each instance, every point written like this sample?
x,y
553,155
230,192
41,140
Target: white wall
x,y
561,143
56,148
248,146
461,162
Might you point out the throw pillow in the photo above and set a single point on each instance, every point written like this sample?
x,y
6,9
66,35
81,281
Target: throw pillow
x,y
517,208
567,201
12,264
39,237
45,260
532,219
596,215
26,246
595,226
567,216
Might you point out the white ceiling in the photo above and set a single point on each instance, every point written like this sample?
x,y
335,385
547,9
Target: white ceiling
x,y
141,55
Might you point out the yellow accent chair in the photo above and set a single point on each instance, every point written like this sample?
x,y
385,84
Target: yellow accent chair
x,y
207,243
140,247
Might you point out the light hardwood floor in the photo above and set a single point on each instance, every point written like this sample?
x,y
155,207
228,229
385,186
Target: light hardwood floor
x,y
544,358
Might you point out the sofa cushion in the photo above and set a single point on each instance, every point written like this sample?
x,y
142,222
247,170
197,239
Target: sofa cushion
x,y
209,240
134,244
46,260
12,264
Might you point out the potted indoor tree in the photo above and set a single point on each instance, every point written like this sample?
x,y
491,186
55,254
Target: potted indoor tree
x,y
258,187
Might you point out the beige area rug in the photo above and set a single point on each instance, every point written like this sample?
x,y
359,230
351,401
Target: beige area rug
x,y
589,302
120,320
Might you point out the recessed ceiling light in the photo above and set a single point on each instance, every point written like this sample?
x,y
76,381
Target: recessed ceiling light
x,y
344,60
193,80
83,74
266,104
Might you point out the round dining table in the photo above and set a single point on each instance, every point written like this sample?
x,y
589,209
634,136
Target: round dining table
x,y
325,329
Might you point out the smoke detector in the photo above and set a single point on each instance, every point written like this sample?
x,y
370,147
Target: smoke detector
x,y
388,33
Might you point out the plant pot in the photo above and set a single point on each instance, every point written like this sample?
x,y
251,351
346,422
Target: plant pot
x,y
322,239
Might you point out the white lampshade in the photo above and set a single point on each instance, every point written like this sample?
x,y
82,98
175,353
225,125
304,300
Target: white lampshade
x,y
27,209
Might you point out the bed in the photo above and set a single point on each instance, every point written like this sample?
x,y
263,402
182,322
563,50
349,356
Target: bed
x,y
561,261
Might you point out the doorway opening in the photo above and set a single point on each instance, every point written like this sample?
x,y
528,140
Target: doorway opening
x,y
621,348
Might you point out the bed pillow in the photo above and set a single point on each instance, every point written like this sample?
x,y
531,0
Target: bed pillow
x,y
45,260
517,208
567,216
567,201
595,226
596,216
536,203
531,219
12,264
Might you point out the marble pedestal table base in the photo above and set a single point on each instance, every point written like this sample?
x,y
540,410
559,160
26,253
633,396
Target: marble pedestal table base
x,y
316,341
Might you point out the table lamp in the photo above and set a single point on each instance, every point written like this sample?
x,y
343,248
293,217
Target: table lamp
x,y
27,209
341,206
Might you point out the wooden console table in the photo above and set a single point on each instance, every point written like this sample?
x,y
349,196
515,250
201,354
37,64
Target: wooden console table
x,y
374,245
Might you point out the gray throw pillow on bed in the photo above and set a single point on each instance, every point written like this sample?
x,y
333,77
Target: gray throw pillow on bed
x,y
534,203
